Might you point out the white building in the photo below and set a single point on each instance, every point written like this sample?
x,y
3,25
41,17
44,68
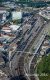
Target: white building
x,y
16,15
14,27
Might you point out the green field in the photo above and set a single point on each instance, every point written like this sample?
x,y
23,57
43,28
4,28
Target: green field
x,y
44,77
43,68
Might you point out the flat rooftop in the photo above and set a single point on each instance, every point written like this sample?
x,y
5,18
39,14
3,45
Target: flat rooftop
x,y
45,13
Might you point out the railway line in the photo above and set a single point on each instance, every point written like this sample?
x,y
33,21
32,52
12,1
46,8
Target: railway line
x,y
33,61
23,55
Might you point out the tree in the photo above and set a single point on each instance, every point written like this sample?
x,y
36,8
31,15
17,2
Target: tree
x,y
44,65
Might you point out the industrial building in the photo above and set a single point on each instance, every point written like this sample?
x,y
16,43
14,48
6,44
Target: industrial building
x,y
45,13
16,15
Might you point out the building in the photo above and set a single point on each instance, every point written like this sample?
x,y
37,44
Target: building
x,y
16,15
4,15
45,13
14,27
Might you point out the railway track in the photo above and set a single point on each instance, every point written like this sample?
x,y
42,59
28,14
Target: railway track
x,y
23,55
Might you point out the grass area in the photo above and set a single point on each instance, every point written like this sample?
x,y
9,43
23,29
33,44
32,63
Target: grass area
x,y
33,49
43,68
17,21
48,30
44,77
